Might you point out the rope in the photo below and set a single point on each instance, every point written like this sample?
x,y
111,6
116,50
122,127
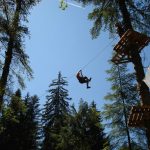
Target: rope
x,y
106,5
96,56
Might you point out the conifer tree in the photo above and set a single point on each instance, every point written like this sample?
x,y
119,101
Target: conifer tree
x,y
91,131
106,13
11,137
12,33
20,123
85,130
96,129
31,123
133,15
116,111
55,112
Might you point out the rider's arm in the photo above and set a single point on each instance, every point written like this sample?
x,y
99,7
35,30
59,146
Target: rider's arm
x,y
81,73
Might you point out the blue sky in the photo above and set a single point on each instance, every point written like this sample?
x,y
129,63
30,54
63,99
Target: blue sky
x,y
61,41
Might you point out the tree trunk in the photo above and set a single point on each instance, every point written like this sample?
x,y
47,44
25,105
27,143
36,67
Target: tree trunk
x,y
9,52
138,66
5,72
135,58
124,110
143,88
125,14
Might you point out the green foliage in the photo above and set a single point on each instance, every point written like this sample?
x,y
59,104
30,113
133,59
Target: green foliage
x,y
55,112
12,35
20,124
85,129
114,113
64,128
63,5
107,13
11,135
134,147
31,132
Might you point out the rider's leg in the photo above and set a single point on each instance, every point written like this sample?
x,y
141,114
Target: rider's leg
x,y
87,85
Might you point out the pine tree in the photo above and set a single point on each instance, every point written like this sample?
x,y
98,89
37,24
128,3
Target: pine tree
x,y
106,13
20,123
55,112
134,15
116,112
96,134
31,123
12,33
12,133
65,139
85,130
90,126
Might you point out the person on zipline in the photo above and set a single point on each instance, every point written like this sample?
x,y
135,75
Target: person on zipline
x,y
83,79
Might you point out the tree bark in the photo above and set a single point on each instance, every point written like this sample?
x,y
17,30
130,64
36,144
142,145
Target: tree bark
x,y
135,58
5,72
124,111
138,66
9,53
125,14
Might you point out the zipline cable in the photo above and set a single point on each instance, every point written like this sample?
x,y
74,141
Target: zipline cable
x,y
102,50
95,57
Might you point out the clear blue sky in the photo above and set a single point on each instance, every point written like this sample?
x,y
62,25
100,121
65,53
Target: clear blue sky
x,y
61,41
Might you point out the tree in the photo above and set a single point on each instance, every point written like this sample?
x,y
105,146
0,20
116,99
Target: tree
x,y
63,4
31,123
109,12
122,97
55,112
86,128
12,33
20,123
134,147
133,15
12,133
96,133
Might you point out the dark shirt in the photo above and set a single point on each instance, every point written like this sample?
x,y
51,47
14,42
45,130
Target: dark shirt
x,y
80,78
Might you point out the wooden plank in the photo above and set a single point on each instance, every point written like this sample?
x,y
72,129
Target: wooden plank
x,y
117,61
139,114
138,40
138,37
136,123
141,117
141,124
133,117
124,45
123,39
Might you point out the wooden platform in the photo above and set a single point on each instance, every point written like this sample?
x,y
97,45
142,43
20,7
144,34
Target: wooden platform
x,y
131,40
139,115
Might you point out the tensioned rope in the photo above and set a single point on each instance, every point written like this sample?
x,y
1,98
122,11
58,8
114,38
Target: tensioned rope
x,y
97,54
95,57
106,5
89,62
